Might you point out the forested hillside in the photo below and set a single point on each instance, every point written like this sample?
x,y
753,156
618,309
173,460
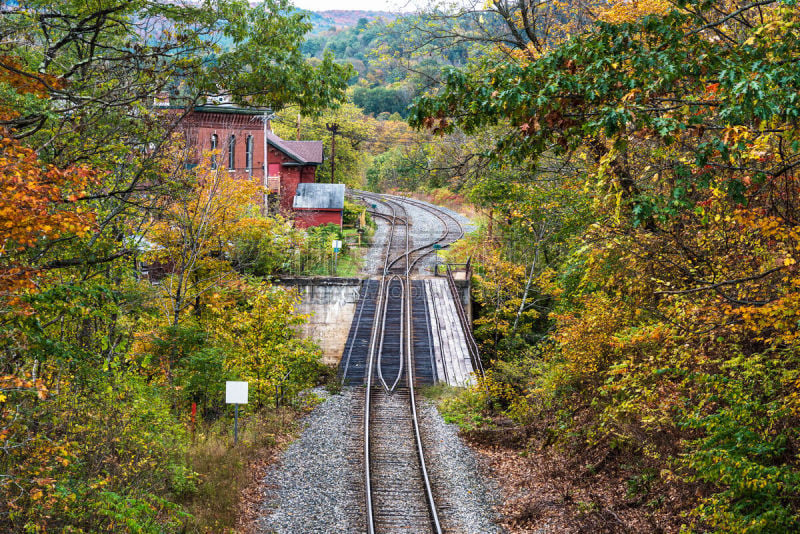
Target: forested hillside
x,y
327,21
391,68
395,61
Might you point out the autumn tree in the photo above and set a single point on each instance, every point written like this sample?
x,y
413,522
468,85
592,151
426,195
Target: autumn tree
x,y
37,207
673,310
265,347
192,238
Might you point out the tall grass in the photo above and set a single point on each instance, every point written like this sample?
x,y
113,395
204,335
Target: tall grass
x,y
213,492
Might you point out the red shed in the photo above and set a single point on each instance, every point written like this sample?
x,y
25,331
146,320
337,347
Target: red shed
x,y
316,204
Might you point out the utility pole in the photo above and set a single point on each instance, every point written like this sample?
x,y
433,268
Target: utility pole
x,y
333,129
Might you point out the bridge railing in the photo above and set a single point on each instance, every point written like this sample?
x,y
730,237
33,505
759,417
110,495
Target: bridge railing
x,y
466,324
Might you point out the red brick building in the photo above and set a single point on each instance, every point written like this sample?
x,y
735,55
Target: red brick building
x,y
238,135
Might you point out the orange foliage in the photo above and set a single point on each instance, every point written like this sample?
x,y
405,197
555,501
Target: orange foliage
x,y
37,205
17,76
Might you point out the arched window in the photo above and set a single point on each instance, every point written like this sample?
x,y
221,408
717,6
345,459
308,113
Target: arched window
x,y
232,152
249,154
214,144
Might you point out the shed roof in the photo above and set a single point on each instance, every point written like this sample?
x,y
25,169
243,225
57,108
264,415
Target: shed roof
x,y
301,151
319,197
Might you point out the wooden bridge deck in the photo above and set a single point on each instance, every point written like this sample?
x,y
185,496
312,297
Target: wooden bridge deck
x,y
453,364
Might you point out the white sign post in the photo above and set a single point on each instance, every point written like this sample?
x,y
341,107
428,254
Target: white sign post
x,y
337,246
236,394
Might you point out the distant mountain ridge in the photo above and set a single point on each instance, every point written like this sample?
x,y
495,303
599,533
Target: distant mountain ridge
x,y
341,19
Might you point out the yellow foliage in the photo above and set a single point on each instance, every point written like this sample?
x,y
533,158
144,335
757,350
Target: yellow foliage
x,y
192,238
630,10
265,348
586,338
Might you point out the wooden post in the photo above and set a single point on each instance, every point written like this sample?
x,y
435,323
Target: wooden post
x,y
236,424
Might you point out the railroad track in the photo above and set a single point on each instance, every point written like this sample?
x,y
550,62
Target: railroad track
x,y
399,497
452,229
389,350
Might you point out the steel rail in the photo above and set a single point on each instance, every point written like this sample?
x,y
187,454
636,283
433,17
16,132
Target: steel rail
x,y
437,527
432,309
393,221
390,389
388,265
428,208
429,329
355,334
381,215
367,397
379,332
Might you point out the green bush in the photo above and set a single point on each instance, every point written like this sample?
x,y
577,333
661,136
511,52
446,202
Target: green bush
x,y
99,459
469,410
747,434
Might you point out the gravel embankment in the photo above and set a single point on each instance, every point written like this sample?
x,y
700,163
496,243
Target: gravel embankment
x,y
316,487
465,498
374,257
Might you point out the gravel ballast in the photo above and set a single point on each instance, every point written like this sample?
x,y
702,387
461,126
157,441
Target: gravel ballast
x,y
466,499
375,255
316,486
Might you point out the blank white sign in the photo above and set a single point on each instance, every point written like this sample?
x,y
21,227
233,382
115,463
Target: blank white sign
x,y
236,392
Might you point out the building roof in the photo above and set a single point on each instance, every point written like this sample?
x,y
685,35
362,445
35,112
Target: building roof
x,y
319,197
230,108
303,151
166,101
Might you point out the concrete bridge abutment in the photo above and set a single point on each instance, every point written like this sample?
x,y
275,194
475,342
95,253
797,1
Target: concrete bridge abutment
x,y
330,304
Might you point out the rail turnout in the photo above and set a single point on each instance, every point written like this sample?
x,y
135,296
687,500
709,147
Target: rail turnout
x,y
390,351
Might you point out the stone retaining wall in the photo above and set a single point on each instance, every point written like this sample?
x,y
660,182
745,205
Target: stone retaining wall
x,y
331,304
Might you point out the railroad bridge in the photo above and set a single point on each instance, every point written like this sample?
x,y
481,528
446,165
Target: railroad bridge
x,y
440,337
405,326
337,309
